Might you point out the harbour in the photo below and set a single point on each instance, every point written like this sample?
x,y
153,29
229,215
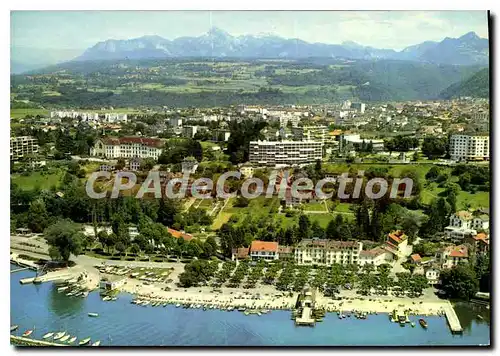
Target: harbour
x,y
42,306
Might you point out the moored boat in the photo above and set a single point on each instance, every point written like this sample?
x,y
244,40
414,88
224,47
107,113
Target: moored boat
x,y
84,341
64,338
412,324
72,340
59,335
93,315
177,305
46,336
27,333
97,343
14,327
422,323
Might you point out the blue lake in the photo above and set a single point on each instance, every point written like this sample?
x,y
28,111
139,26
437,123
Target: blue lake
x,y
123,324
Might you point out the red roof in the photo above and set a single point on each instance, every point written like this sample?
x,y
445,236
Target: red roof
x,y
264,246
416,257
177,234
459,251
241,252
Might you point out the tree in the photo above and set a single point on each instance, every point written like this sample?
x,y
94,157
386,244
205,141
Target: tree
x,y
434,147
134,248
38,219
460,282
304,228
66,237
120,247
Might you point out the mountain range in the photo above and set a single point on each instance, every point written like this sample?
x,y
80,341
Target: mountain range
x,y
468,49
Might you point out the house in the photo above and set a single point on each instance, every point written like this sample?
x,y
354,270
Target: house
x,y
452,255
23,232
189,165
480,221
285,253
88,230
416,259
247,170
264,250
134,164
480,242
432,274
127,147
376,256
111,282
133,232
240,253
179,234
397,243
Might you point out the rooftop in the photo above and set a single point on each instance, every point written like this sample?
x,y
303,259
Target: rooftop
x,y
264,246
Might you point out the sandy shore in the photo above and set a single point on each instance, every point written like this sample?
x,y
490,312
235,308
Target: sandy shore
x,y
255,298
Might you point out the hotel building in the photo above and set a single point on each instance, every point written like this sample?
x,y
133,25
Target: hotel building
x,y
285,153
469,147
127,147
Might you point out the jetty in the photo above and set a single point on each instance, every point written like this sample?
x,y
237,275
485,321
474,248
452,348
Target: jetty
x,y
306,302
20,269
25,341
452,318
49,277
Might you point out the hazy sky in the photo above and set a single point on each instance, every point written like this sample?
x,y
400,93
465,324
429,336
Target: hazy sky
x,y
394,29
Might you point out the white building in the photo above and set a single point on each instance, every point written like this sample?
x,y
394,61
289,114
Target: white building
x,y
175,121
85,116
452,255
432,275
286,153
376,256
127,147
310,133
469,147
22,146
190,131
264,250
115,117
464,224
322,252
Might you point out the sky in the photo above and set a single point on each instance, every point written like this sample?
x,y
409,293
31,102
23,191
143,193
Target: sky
x,y
380,29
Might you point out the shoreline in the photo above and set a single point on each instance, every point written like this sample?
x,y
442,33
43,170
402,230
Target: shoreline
x,y
242,298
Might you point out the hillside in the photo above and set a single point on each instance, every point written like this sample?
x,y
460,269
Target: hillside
x,y
478,86
205,82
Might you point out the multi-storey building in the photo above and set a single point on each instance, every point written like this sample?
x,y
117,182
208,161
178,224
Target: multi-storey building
x,y
85,116
464,224
265,250
22,146
115,117
285,153
310,133
469,147
127,147
323,252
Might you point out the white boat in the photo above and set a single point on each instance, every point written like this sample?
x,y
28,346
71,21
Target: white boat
x,y
177,305
72,340
145,302
59,335
46,336
84,341
64,338
62,289
97,343
70,294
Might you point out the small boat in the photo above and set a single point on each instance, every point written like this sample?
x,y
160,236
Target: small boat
x,y
93,315
84,341
70,294
27,333
62,289
13,328
59,335
480,317
241,309
265,311
72,340
106,298
177,305
165,304
422,323
145,302
97,343
64,338
46,336
402,323
259,314
114,299
412,324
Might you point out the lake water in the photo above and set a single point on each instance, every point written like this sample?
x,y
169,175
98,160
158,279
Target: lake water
x,y
123,324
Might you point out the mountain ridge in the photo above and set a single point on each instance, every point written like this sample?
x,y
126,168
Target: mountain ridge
x,y
468,49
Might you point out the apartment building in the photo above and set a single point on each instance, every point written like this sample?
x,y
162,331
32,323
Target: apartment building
x,y
310,133
464,224
127,147
264,250
22,146
322,252
85,116
115,117
469,147
285,153
190,131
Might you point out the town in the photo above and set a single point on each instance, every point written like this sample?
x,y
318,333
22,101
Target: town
x,y
397,247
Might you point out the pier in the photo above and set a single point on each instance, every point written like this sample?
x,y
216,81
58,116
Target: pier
x,y
452,318
49,277
20,269
25,341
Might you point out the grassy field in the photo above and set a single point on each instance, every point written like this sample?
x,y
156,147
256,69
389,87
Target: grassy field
x,y
314,207
36,179
20,113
